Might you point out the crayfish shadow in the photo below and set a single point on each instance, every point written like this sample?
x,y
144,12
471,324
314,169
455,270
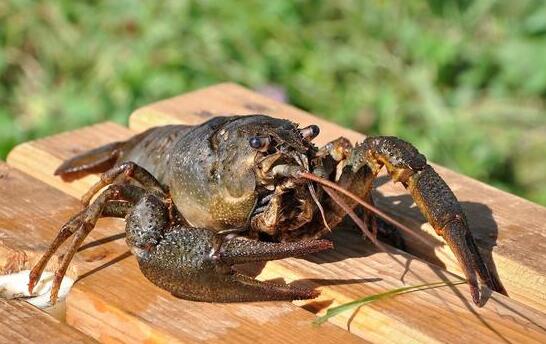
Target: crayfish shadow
x,y
254,269
348,243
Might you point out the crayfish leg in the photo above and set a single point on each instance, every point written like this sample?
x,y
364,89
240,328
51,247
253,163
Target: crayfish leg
x,y
107,204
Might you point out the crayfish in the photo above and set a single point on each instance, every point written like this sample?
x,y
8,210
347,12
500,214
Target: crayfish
x,y
199,199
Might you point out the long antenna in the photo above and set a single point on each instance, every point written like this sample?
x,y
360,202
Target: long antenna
x,y
383,215
355,218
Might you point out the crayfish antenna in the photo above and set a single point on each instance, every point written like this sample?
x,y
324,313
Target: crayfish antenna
x,y
333,186
355,218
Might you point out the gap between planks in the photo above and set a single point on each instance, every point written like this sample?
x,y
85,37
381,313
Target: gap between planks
x,y
353,270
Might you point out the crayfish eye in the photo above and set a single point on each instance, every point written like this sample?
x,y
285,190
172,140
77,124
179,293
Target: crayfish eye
x,y
260,143
310,132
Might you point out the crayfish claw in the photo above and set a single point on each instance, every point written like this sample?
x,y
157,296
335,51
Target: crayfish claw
x,y
442,210
185,263
434,199
457,237
240,288
250,288
240,250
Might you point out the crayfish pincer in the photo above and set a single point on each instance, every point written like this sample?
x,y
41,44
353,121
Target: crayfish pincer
x,y
199,199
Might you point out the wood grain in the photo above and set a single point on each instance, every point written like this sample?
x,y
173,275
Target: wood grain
x,y
31,213
114,297
112,301
23,323
509,229
24,155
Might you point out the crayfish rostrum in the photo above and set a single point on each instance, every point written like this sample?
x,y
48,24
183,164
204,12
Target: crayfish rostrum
x,y
199,199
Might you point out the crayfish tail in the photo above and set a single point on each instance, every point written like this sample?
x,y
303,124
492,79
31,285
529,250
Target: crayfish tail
x,y
96,160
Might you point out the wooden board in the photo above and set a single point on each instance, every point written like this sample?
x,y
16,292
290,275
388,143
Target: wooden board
x,y
22,323
509,229
353,270
113,302
31,212
55,148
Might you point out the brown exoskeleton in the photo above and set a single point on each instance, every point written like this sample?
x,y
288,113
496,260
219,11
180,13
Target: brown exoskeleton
x,y
198,199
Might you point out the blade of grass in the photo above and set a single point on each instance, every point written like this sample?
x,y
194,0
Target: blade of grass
x,y
376,297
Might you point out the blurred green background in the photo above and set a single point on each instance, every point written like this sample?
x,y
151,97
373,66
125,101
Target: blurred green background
x,y
465,81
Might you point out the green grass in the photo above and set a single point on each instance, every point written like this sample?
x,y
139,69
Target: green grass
x,y
366,300
465,81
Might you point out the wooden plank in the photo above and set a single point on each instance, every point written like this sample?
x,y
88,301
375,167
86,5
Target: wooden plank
x,y
23,156
508,229
31,212
113,301
353,270
22,323
126,313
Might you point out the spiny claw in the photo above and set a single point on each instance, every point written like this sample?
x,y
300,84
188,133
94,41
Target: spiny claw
x,y
461,242
240,250
442,210
458,239
241,288
434,199
182,264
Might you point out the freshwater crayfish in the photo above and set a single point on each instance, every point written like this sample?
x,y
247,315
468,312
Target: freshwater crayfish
x,y
199,199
